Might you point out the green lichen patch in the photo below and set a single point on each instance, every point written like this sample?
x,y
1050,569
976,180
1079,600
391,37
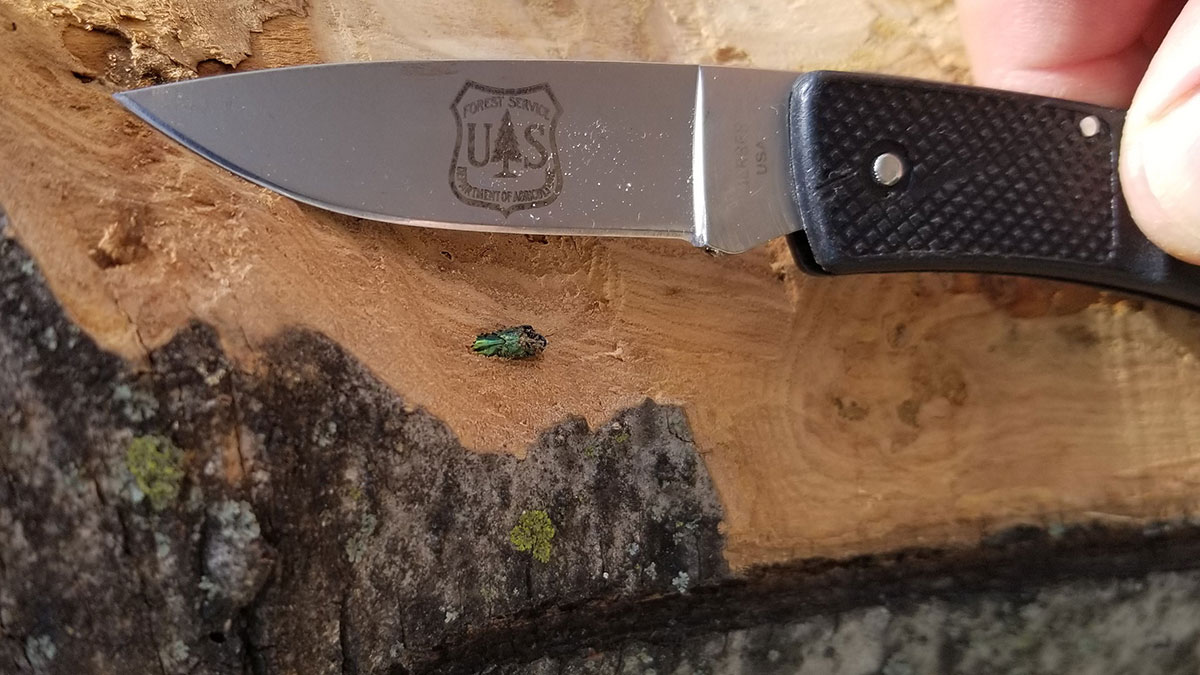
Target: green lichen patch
x,y
157,466
617,436
615,439
518,342
534,533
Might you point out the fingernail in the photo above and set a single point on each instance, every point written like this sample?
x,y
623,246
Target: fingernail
x,y
1163,171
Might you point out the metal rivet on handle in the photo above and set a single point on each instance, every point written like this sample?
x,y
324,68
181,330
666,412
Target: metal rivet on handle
x,y
888,169
1089,126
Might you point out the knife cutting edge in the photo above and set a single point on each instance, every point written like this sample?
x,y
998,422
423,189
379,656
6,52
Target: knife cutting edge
x,y
862,173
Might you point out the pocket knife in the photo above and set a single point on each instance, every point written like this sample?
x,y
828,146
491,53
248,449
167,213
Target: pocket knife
x,y
861,173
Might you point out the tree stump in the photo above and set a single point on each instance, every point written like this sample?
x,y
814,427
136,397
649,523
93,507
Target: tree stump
x,y
238,434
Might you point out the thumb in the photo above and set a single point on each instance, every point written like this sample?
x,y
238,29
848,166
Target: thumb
x,y
1160,152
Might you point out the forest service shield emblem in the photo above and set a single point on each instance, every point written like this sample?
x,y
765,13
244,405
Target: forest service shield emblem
x,y
506,154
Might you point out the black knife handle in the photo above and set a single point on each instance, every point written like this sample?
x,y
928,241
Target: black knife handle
x,y
991,181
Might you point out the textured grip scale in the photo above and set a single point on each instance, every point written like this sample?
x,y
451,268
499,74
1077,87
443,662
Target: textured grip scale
x,y
993,182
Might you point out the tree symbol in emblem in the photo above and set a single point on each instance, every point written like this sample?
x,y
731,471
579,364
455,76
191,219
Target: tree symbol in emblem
x,y
506,149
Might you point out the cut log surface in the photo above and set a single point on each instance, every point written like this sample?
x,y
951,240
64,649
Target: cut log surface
x,y
202,378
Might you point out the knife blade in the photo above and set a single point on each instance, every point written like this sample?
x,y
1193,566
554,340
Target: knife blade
x,y
862,173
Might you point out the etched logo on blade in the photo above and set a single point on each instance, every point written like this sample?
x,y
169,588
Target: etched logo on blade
x,y
506,156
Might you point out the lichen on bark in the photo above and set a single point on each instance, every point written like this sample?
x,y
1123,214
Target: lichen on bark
x,y
217,513
156,466
533,533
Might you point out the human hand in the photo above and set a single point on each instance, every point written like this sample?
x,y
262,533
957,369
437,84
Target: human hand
x,y
1111,52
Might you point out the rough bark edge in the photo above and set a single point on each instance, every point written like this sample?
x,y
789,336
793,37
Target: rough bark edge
x,y
1018,563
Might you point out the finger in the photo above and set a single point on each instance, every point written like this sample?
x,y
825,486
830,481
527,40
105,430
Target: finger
x,y
1160,152
1091,50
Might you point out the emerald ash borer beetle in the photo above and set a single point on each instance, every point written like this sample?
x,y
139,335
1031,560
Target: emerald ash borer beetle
x,y
517,342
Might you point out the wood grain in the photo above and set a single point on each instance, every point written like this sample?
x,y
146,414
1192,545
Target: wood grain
x,y
836,415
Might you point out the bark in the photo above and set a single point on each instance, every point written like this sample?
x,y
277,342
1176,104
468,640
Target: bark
x,y
302,518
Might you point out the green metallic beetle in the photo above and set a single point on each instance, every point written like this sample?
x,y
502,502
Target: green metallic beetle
x,y
518,342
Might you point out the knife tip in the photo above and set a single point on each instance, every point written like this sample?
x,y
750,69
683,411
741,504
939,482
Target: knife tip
x,y
134,103
123,98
